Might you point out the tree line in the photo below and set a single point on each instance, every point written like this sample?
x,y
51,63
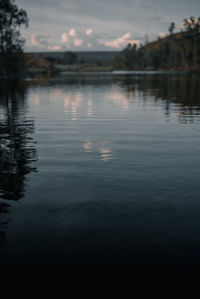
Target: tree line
x,y
175,51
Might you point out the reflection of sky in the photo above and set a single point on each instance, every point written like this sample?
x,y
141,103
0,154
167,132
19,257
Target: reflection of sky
x,y
72,103
36,99
66,103
98,149
90,103
106,154
87,146
119,98
91,114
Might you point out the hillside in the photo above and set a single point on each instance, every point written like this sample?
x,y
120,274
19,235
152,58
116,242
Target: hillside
x,y
178,51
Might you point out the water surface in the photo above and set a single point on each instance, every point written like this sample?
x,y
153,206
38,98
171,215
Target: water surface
x,y
101,170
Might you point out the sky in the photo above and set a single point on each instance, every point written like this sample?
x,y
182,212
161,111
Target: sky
x,y
100,25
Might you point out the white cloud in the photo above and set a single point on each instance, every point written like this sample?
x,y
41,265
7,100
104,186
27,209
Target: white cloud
x,y
126,36
32,40
43,43
121,41
72,32
54,48
64,38
189,22
83,39
78,42
73,39
162,34
89,31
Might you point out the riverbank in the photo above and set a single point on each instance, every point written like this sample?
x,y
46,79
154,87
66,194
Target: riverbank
x,y
90,69
40,66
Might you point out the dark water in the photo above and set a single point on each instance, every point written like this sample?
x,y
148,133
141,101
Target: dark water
x,y
101,170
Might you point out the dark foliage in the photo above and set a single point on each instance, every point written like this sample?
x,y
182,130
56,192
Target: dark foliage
x,y
176,51
69,58
11,43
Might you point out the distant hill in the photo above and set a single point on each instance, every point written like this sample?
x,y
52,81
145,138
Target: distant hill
x,y
104,58
167,38
178,51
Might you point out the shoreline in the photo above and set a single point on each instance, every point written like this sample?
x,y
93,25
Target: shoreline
x,y
36,74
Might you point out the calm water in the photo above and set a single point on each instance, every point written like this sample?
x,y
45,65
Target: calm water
x,y
101,170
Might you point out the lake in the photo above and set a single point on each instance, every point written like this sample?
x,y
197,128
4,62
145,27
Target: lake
x,y
101,170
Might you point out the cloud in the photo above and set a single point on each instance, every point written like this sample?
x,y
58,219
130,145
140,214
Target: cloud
x,y
54,48
189,23
162,34
72,32
36,41
33,40
71,40
76,39
51,17
64,38
121,41
42,43
89,31
78,42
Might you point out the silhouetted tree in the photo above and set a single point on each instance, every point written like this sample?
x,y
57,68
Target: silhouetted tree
x,y
192,24
11,43
171,28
